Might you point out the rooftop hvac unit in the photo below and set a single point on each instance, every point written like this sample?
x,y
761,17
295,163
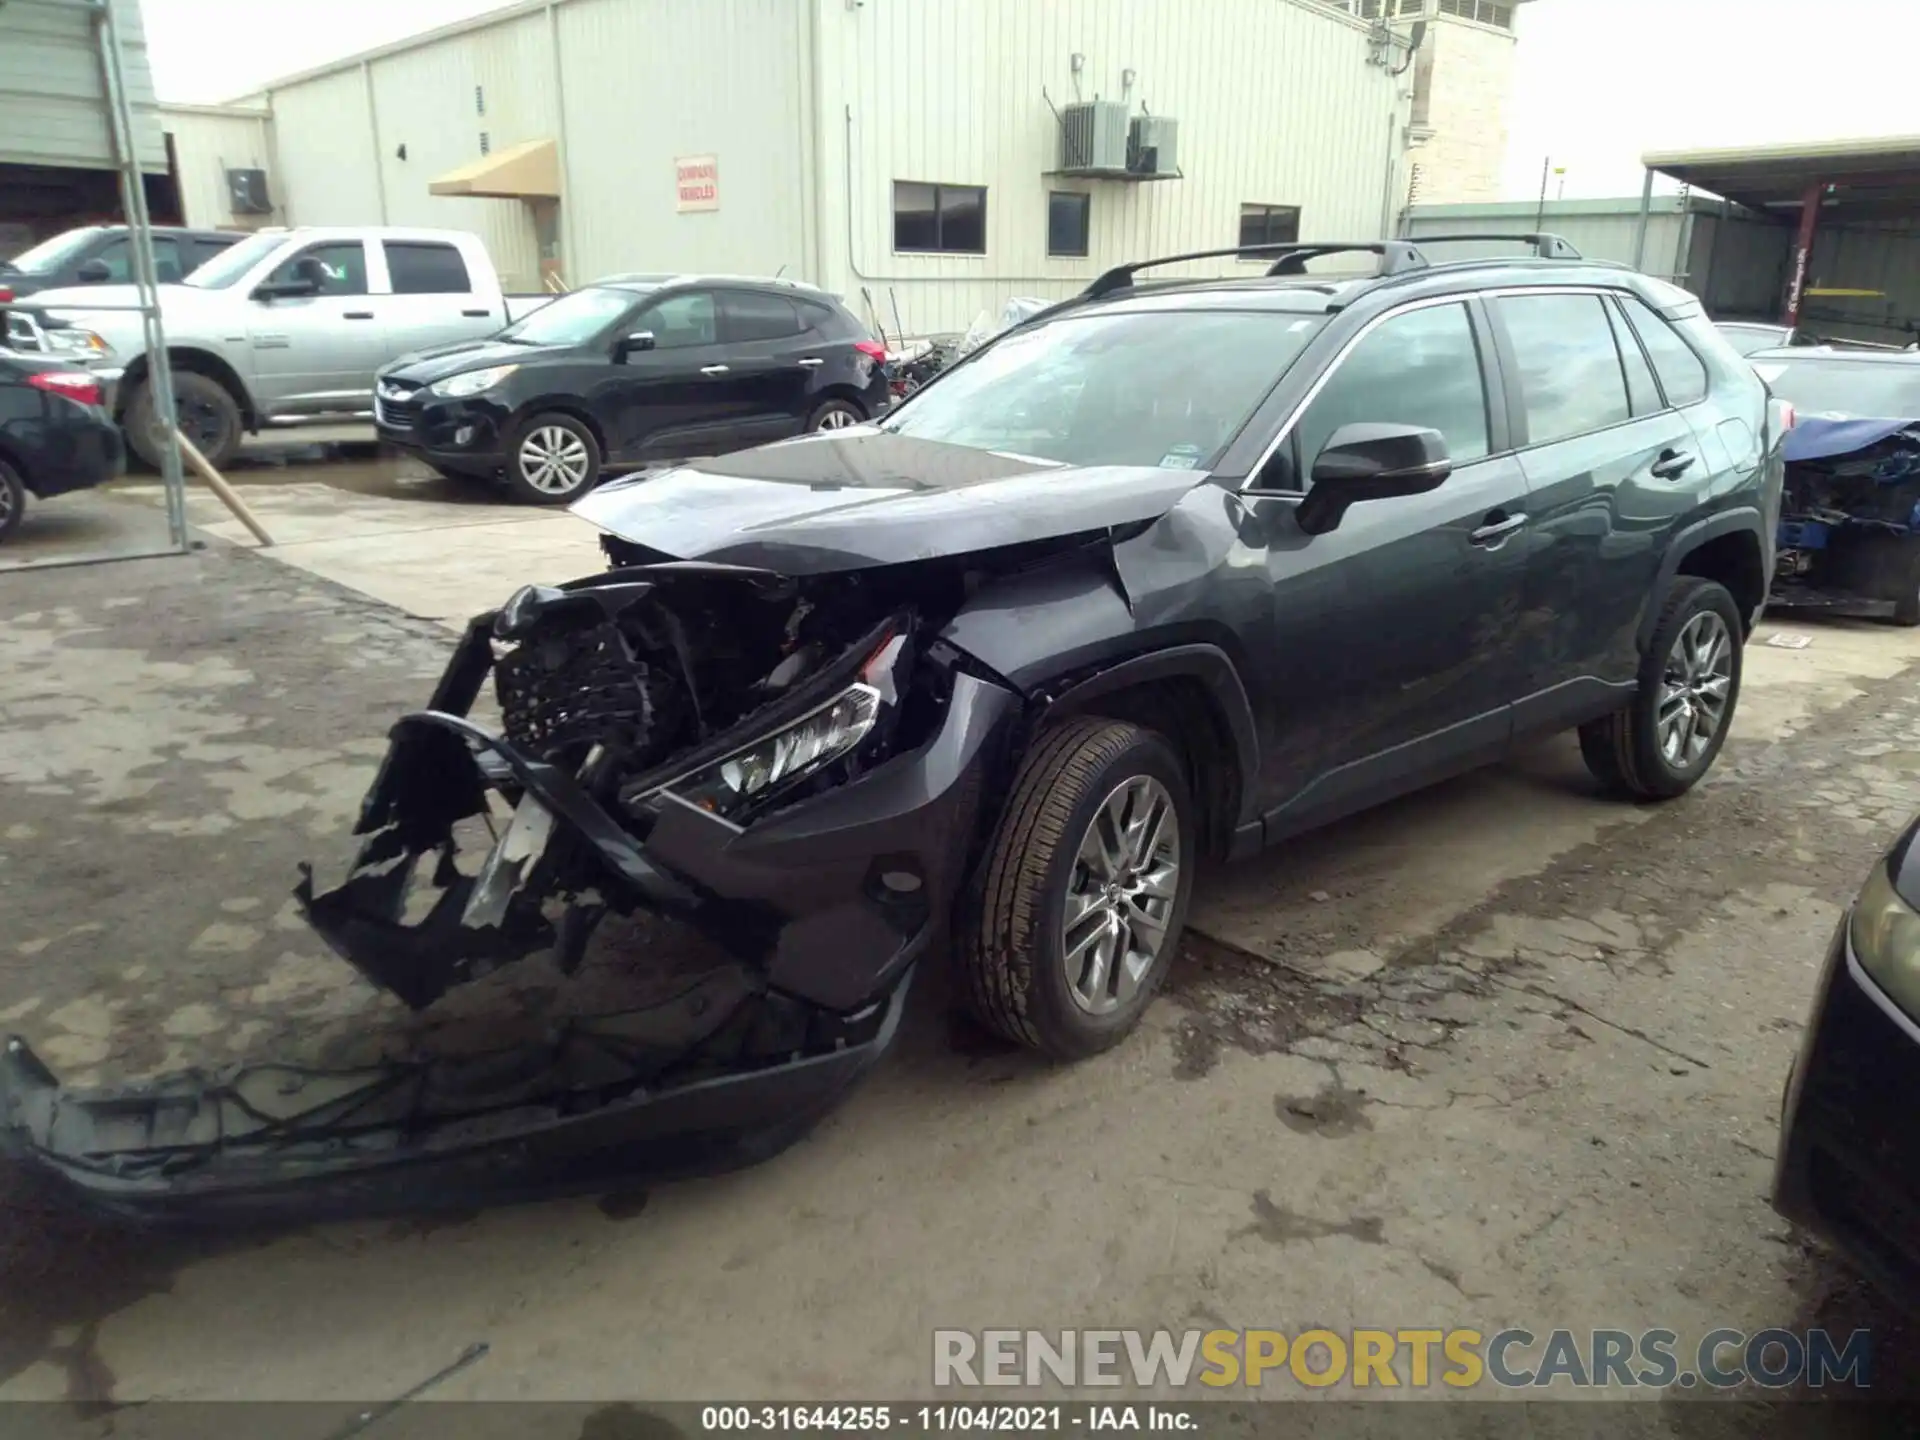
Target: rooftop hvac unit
x,y
247,192
1093,137
1152,145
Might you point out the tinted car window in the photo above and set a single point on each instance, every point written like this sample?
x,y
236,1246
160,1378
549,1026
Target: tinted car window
x,y
1641,391
1421,368
827,320
345,262
118,259
1165,388
426,269
681,320
1570,375
1682,374
205,250
753,316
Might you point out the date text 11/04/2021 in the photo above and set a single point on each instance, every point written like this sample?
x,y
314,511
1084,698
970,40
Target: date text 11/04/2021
x,y
933,1419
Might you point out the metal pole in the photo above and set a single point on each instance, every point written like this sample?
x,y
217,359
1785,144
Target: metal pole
x,y
1803,248
1640,230
1540,216
133,201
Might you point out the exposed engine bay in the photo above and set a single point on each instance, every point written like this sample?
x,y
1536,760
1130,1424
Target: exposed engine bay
x,y
1849,533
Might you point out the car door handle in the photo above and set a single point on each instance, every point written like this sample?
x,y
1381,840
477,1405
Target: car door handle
x,y
813,362
358,315
1672,464
1495,531
477,314
713,369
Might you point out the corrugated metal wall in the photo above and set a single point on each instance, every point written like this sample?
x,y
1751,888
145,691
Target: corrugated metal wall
x,y
1276,102
207,142
649,81
1883,257
52,98
323,134
426,101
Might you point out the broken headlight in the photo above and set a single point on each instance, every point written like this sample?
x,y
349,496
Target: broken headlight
x,y
814,740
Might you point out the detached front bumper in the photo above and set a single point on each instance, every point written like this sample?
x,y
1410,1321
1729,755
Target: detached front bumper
x,y
1848,1167
825,907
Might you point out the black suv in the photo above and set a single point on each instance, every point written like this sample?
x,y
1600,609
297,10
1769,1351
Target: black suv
x,y
1169,571
635,368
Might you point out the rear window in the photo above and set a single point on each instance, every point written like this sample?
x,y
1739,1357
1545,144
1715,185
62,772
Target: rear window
x,y
1167,388
1846,389
1683,375
425,268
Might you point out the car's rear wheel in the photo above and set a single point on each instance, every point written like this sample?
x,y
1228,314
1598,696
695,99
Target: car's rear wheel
x,y
1666,738
209,416
1084,890
837,415
553,459
13,500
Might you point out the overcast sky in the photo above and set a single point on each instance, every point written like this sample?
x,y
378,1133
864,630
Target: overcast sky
x,y
1599,81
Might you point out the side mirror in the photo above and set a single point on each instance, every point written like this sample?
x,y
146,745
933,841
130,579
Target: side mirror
x,y
1371,462
93,272
632,344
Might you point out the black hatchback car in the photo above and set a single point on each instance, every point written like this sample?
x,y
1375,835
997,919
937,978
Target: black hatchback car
x,y
1167,572
54,435
631,370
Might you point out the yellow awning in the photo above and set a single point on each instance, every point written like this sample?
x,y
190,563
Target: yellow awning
x,y
528,171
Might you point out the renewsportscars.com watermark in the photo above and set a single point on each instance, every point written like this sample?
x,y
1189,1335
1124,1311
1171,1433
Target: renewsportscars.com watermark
x,y
1390,1359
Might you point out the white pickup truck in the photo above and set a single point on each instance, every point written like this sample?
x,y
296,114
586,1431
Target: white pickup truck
x,y
284,327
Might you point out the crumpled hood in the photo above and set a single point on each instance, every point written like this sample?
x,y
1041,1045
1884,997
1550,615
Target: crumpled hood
x,y
856,498
423,367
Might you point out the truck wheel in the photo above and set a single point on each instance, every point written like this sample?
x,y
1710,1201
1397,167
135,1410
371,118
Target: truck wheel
x,y
1085,890
13,500
553,459
1660,743
209,417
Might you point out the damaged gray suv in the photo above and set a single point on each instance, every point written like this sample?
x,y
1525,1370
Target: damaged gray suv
x,y
1170,571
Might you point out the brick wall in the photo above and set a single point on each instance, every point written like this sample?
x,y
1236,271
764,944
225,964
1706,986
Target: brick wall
x,y
1471,84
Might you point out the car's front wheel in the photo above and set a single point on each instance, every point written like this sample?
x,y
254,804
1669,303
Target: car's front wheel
x,y
13,500
1666,738
553,459
1084,890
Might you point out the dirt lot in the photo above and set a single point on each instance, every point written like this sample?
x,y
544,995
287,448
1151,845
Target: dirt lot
x,y
1503,1053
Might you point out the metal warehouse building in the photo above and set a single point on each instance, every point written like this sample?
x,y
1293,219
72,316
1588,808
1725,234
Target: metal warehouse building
x,y
937,156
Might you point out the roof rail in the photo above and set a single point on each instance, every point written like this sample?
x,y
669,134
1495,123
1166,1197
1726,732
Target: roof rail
x,y
1291,259
1546,246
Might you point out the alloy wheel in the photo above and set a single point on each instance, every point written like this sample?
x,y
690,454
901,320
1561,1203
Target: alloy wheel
x,y
1126,878
553,460
7,500
837,420
1695,690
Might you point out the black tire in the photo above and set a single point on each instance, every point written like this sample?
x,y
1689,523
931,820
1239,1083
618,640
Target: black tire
x,y
1624,749
542,434
209,417
13,500
1013,951
836,415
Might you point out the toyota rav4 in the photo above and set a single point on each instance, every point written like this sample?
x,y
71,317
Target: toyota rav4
x,y
1169,571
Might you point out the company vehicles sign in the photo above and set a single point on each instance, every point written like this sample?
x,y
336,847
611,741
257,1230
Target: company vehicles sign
x,y
697,182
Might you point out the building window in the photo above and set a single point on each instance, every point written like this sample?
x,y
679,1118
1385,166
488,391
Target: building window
x,y
1497,13
1390,9
1068,214
1269,225
940,219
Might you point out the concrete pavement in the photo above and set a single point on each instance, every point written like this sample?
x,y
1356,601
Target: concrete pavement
x,y
1499,1053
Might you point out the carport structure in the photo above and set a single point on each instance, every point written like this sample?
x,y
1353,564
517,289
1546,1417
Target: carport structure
x,y
1853,207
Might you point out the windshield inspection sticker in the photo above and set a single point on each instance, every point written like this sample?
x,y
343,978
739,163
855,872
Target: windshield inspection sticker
x,y
1181,457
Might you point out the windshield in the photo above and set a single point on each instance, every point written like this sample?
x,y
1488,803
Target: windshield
x,y
573,319
1165,388
1745,339
1846,389
230,264
49,255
